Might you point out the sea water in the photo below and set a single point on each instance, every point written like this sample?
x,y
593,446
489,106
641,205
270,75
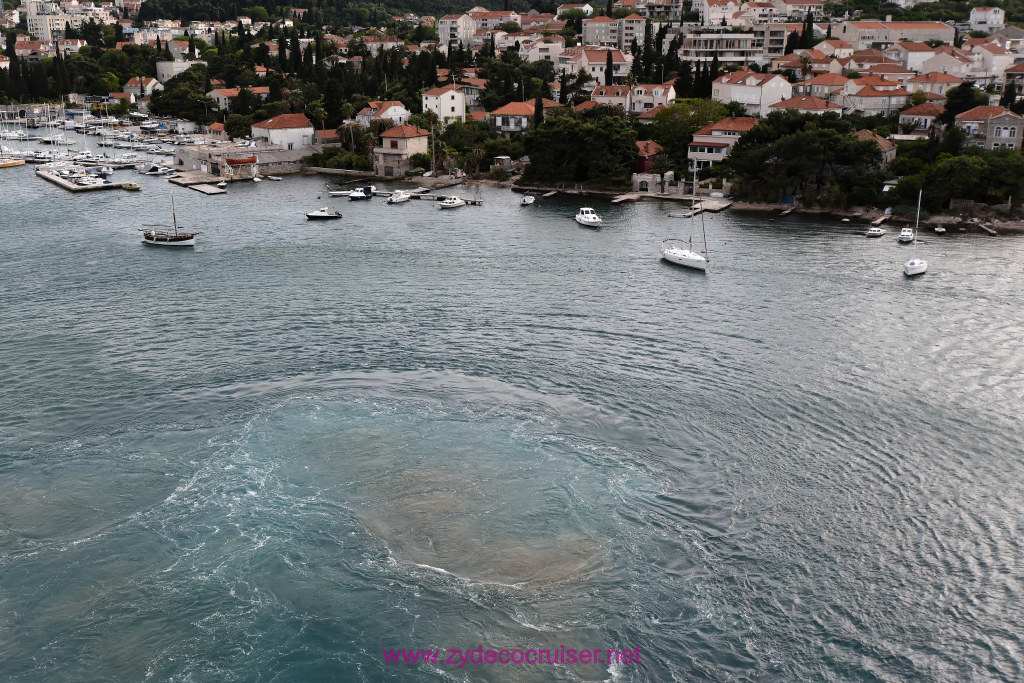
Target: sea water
x,y
300,444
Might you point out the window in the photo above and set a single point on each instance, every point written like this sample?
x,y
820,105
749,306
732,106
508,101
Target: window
x,y
394,144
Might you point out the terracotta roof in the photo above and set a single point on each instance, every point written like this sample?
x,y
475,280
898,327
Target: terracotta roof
x,y
926,109
883,144
827,79
515,109
805,102
935,77
284,121
437,92
405,131
610,91
734,123
648,147
984,113
216,127
869,91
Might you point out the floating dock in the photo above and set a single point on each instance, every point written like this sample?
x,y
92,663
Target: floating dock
x,y
207,189
74,187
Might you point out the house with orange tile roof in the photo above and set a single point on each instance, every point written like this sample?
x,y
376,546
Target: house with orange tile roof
x,y
392,111
987,19
807,104
223,96
289,131
646,150
612,95
920,118
142,86
934,83
516,117
601,31
712,143
911,54
991,127
448,102
886,147
876,95
755,91
392,159
825,86
833,47
990,60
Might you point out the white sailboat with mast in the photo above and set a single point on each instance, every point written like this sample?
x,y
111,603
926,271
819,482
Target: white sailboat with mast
x,y
916,266
679,251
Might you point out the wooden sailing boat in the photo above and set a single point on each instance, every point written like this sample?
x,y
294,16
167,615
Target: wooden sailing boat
x,y
169,238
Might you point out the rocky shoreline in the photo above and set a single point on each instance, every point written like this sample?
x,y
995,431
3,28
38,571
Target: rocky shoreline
x,y
864,215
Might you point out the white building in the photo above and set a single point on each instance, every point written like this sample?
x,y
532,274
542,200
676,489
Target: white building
x,y
290,131
448,102
755,91
987,19
453,29
165,71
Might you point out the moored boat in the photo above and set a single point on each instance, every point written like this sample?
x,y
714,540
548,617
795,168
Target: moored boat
x,y
451,202
323,214
586,216
169,238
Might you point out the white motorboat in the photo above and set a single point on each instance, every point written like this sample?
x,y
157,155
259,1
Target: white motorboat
x,y
939,230
680,252
323,214
527,199
399,196
451,202
222,184
363,192
257,179
169,238
874,231
906,235
915,266
274,177
588,217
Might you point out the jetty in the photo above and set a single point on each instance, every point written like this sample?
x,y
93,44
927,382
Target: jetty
x,y
72,186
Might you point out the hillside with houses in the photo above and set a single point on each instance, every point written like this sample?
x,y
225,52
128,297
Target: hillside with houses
x,y
835,106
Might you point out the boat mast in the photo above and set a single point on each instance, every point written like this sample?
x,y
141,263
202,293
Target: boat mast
x,y
174,218
917,221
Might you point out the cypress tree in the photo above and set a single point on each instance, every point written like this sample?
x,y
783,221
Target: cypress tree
x,y
609,69
538,112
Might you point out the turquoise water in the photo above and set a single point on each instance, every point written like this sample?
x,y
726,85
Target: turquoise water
x,y
299,444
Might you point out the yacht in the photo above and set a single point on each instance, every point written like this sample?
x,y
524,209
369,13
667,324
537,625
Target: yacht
x,y
399,196
906,235
362,192
323,214
451,202
588,217
875,231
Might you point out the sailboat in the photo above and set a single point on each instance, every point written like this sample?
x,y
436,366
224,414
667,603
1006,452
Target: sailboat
x,y
169,238
916,266
679,251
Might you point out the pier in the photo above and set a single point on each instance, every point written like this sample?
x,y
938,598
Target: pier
x,y
71,186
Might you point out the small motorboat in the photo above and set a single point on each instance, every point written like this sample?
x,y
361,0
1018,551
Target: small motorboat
x,y
527,199
134,187
588,217
874,231
323,214
274,177
399,196
364,192
451,202
257,179
906,235
222,184
939,230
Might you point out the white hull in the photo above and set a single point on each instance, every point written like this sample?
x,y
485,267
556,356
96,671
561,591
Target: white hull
x,y
915,266
398,197
685,258
588,223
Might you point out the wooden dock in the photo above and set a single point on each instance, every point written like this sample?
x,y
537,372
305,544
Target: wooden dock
x,y
73,187
207,189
